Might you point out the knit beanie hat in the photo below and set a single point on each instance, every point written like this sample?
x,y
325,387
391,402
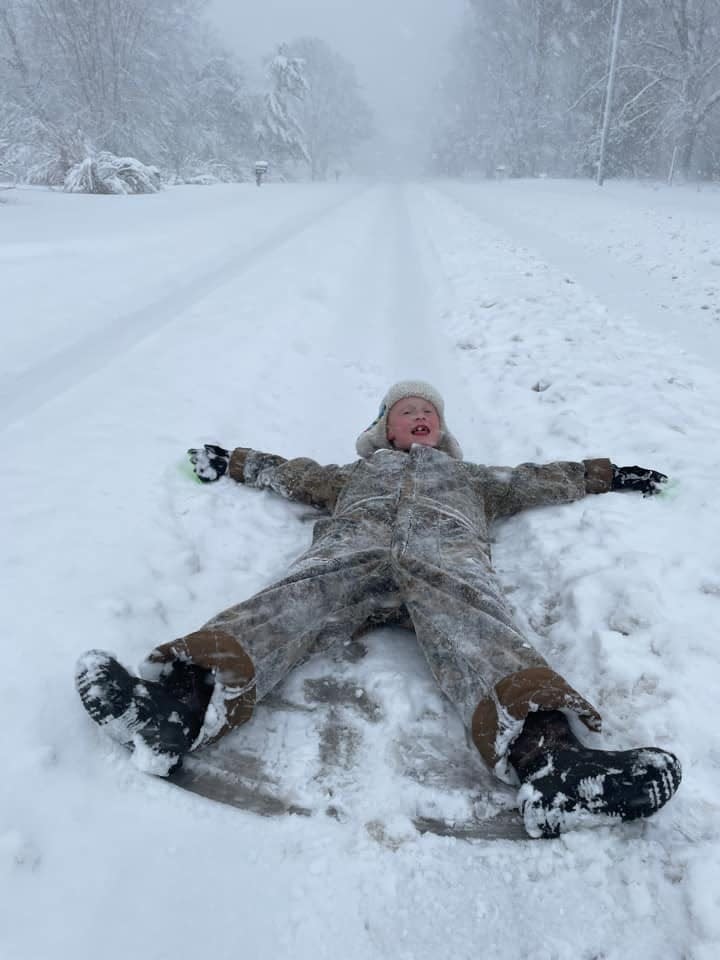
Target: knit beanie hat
x,y
375,437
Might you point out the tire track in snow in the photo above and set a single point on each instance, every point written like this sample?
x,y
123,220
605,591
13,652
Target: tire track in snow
x,y
393,301
378,313
380,310
22,394
410,302
425,234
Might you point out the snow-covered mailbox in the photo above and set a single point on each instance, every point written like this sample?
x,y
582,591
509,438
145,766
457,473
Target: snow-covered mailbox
x,y
261,168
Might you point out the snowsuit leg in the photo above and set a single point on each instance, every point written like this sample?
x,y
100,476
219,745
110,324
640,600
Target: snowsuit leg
x,y
252,646
482,662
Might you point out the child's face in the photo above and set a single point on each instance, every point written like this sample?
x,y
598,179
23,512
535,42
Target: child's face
x,y
413,420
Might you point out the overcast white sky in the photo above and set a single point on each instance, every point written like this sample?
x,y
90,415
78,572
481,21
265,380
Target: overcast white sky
x,y
399,47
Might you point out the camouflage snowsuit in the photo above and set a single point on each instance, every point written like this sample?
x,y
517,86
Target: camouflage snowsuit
x,y
406,540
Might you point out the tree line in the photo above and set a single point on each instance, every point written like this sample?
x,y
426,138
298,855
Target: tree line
x,y
527,89
127,78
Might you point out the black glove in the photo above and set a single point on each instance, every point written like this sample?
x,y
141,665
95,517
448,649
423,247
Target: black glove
x,y
210,463
647,482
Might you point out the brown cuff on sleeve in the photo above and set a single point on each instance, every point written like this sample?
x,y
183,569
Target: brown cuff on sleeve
x,y
233,669
598,475
499,717
236,468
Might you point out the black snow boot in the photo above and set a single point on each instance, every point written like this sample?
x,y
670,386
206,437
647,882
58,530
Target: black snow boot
x,y
159,722
566,785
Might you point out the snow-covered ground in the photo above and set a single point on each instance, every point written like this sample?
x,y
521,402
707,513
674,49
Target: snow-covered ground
x,y
560,321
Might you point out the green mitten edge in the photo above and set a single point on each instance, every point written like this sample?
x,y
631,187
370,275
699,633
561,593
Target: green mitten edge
x,y
669,490
185,467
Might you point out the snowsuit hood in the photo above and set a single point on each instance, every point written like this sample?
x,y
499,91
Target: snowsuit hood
x,y
375,437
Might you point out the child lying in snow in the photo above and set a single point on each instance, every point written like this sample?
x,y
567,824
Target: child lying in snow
x,y
406,541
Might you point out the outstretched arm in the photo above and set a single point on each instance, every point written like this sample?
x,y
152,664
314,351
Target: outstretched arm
x,y
510,490
301,479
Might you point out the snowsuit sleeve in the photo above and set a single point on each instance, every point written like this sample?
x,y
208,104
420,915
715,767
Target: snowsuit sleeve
x,y
300,479
508,490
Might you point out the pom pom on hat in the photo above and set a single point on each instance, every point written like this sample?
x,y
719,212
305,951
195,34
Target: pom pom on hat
x,y
375,437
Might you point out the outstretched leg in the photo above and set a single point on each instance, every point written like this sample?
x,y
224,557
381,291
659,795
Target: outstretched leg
x,y
566,784
515,705
195,689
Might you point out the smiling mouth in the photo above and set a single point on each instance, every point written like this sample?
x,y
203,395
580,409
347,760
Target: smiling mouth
x,y
420,430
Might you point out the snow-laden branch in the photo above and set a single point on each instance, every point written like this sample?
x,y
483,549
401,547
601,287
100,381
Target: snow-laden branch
x,y
663,47
710,69
586,93
641,93
710,103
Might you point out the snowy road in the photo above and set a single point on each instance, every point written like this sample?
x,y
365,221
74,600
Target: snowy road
x,y
560,323
176,293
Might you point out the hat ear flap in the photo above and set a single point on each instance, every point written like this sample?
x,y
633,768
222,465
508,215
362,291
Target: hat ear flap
x,y
378,418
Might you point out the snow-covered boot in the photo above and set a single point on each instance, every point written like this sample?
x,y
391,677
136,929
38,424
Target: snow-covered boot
x,y
159,722
566,785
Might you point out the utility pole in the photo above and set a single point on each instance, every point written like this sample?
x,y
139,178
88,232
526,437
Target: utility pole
x,y
609,92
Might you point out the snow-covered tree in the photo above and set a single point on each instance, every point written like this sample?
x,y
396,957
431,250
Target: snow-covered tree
x,y
673,55
207,125
519,66
279,135
123,77
333,112
526,91
90,75
106,173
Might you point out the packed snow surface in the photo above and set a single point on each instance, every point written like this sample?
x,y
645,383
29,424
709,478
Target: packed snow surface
x,y
559,321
